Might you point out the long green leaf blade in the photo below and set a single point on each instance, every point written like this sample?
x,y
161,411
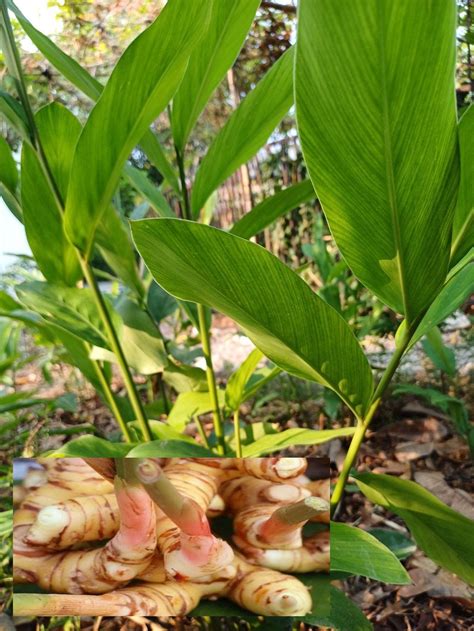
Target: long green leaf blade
x,y
247,129
229,23
43,217
356,551
290,324
384,160
442,533
8,170
265,213
291,437
141,85
463,227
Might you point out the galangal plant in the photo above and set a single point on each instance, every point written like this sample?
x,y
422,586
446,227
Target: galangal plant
x,y
372,82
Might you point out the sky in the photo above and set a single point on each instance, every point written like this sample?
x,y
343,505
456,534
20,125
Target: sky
x,y
12,233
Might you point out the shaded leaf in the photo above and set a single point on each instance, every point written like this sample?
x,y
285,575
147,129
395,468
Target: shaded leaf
x,y
246,130
70,308
141,341
229,23
384,161
151,68
42,206
170,449
401,546
292,437
356,551
441,355
265,213
160,303
295,328
8,169
92,447
139,180
444,535
463,227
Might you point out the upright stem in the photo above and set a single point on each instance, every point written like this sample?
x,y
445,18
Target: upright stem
x,y
203,330
211,380
238,444
118,351
363,424
109,397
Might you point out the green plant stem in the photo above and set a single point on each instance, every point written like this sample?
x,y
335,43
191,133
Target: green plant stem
x,y
211,379
111,401
238,444
201,431
118,351
203,331
364,423
186,208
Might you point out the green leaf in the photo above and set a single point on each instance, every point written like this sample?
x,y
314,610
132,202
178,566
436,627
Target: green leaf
x,y
59,130
92,447
463,227
291,437
247,129
401,546
441,355
170,449
456,290
113,240
355,551
11,202
70,308
443,535
149,191
259,378
331,607
184,378
8,169
162,431
292,326
383,161
87,84
14,113
160,303
189,404
265,213
238,380
228,25
151,69
141,341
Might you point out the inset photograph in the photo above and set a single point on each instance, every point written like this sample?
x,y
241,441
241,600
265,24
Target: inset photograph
x,y
158,536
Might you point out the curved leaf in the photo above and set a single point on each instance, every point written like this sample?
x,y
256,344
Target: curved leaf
x,y
91,447
444,535
189,404
59,130
8,170
228,25
92,88
456,290
246,130
291,437
384,160
356,551
295,328
170,449
238,380
70,308
141,85
265,213
463,227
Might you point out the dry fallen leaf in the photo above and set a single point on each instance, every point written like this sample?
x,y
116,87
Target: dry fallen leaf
x,y
405,452
459,500
441,584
